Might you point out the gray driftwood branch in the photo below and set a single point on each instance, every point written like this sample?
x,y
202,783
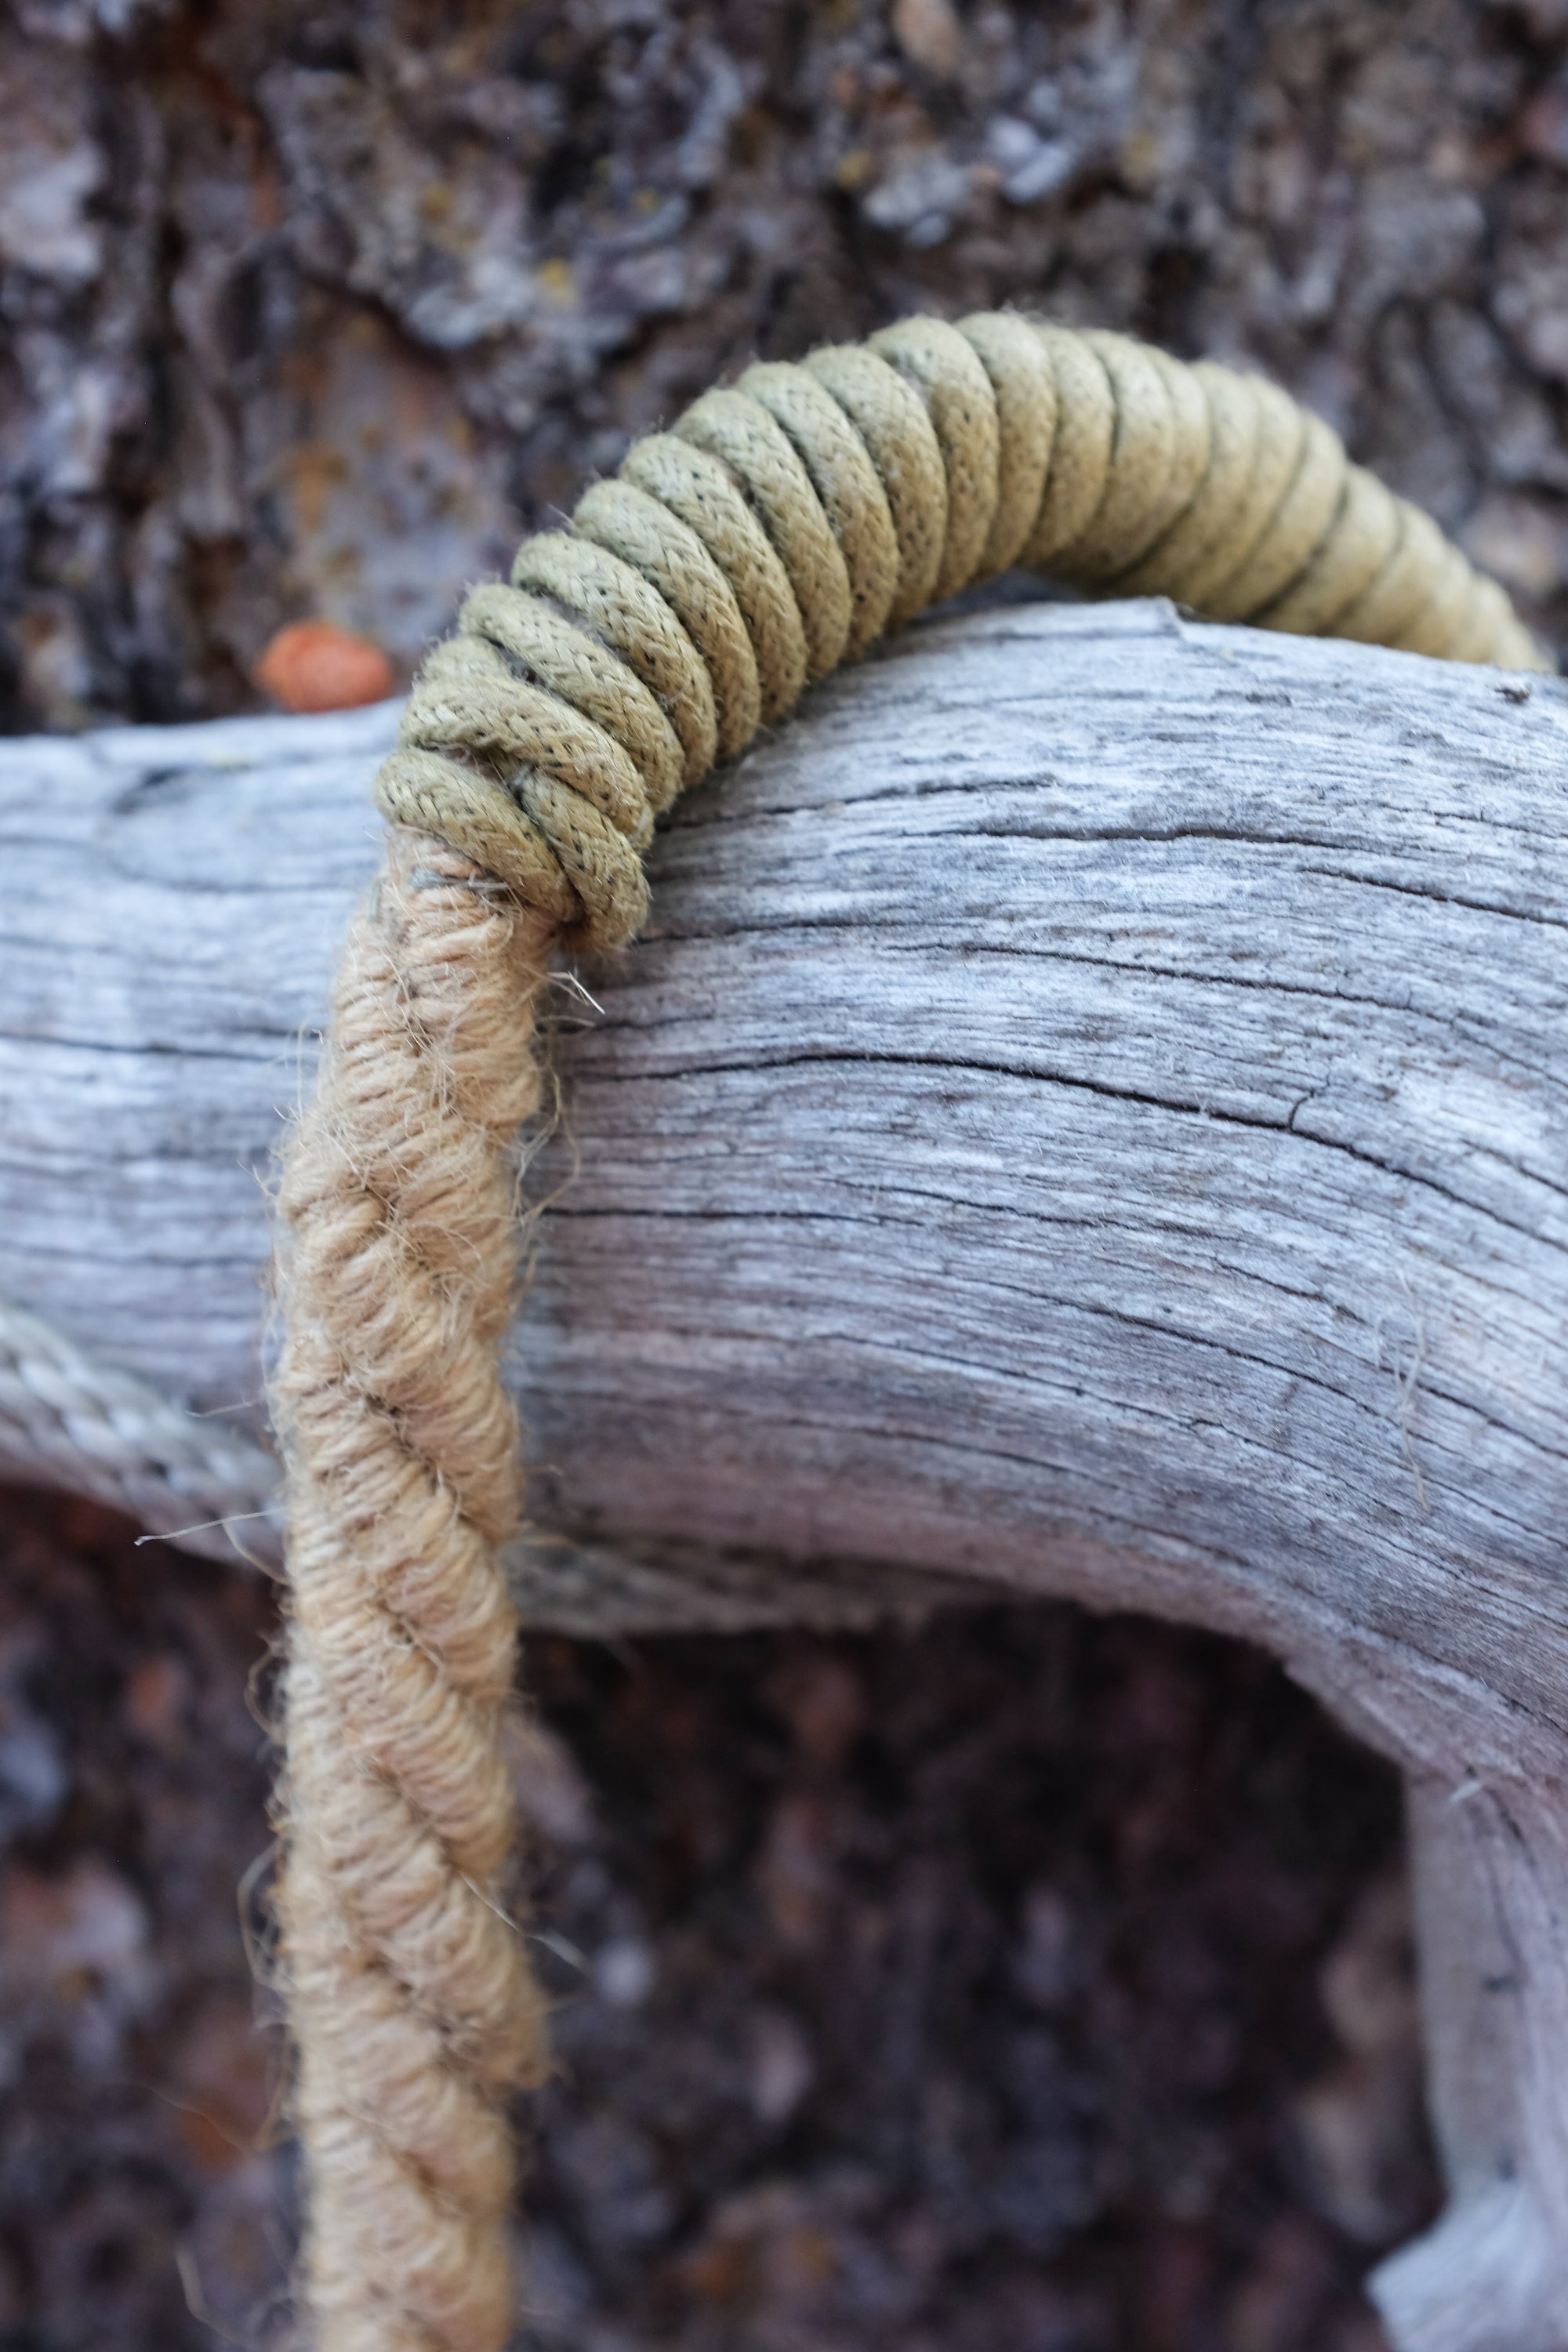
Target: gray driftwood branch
x,y
1090,1117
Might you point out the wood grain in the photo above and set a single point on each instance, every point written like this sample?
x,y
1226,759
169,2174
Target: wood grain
x,y
1089,1117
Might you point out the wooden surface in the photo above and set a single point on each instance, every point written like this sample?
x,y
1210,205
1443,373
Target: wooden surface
x,y
1089,1117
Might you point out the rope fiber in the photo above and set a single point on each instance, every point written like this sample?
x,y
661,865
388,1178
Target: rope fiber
x,y
779,529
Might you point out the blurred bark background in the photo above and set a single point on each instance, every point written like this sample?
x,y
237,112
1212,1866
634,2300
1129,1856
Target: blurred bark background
x,y
1021,1979
311,307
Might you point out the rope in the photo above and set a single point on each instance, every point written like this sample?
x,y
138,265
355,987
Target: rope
x,y
93,1429
414,2012
782,526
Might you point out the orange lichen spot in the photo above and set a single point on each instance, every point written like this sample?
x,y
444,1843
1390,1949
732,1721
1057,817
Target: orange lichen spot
x,y
311,666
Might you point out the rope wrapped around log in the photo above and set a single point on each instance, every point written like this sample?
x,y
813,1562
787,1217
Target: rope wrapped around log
x,y
786,522
782,526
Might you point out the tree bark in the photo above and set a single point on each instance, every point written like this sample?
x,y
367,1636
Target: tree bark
x,y
1088,1117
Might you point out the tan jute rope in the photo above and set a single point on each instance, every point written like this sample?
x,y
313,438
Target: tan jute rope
x,y
784,525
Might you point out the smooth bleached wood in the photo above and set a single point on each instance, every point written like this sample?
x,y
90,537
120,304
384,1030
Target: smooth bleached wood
x,y
1089,1117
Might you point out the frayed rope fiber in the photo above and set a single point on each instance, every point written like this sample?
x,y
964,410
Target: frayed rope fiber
x,y
782,526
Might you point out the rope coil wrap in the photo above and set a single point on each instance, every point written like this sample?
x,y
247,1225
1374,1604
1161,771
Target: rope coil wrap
x,y
780,527
787,523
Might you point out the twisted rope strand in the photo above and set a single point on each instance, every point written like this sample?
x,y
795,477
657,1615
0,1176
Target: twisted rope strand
x,y
414,2010
780,528
95,1429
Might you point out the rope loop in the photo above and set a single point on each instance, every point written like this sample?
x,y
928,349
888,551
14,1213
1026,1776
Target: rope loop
x,y
787,522
784,524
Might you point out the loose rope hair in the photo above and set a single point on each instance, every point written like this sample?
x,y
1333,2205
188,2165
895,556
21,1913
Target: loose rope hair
x,y
782,526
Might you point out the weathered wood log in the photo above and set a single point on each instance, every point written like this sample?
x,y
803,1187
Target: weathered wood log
x,y
1088,1117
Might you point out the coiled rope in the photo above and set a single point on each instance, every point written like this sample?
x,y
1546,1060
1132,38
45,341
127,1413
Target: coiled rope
x,y
780,527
